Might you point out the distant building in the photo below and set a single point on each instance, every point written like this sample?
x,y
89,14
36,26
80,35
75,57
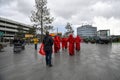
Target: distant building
x,y
10,28
103,33
87,31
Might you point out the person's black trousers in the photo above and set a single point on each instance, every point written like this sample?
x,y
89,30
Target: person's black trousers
x,y
35,46
48,57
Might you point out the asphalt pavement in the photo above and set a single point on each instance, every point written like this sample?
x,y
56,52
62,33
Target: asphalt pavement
x,y
93,62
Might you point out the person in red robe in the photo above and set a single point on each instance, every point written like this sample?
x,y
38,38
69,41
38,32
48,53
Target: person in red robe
x,y
77,41
56,44
66,42
71,41
63,42
59,41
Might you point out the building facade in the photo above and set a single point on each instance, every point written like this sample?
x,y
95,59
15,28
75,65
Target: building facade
x,y
10,28
87,31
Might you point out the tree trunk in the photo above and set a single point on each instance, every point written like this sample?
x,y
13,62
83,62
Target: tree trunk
x,y
42,25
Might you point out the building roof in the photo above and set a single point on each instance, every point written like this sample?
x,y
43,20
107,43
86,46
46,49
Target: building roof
x,y
14,22
105,30
86,26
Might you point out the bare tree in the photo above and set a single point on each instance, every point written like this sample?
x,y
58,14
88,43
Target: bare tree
x,y
32,30
69,29
41,17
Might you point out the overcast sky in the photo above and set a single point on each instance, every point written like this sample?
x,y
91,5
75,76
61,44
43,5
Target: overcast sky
x,y
103,14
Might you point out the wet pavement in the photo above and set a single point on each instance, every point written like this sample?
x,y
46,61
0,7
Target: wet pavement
x,y
93,62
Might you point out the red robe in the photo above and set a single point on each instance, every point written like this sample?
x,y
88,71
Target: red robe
x,y
66,41
59,40
56,44
77,40
71,41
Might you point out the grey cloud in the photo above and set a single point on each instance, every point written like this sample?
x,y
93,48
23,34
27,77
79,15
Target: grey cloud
x,y
74,11
113,11
25,7
5,2
66,9
18,10
116,10
22,6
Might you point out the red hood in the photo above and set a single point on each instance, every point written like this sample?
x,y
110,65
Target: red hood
x,y
70,36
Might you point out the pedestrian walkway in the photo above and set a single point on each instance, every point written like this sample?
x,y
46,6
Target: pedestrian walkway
x,y
93,62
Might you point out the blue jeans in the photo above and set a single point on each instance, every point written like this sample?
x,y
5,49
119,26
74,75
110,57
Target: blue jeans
x,y
48,57
35,46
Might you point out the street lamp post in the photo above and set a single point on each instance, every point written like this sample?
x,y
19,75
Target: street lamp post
x,y
5,33
57,30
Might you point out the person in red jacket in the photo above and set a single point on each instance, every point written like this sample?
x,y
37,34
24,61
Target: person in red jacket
x,y
56,44
71,41
77,41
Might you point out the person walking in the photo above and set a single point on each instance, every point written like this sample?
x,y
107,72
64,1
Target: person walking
x,y
35,42
59,41
77,41
48,42
71,41
56,44
66,42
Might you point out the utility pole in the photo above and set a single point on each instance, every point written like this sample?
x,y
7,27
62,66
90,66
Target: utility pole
x,y
5,33
57,30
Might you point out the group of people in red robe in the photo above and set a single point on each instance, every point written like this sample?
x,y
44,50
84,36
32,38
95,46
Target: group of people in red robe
x,y
73,43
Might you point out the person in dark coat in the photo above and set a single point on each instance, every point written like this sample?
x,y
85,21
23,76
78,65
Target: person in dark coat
x,y
48,42
16,40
